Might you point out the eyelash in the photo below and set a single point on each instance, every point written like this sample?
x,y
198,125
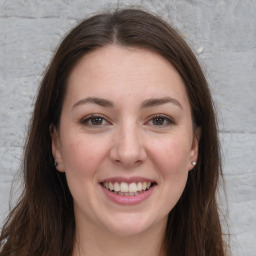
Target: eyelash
x,y
165,120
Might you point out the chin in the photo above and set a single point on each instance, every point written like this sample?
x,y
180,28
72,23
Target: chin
x,y
130,225
124,231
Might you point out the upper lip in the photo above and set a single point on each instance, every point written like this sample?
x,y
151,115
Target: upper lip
x,y
120,179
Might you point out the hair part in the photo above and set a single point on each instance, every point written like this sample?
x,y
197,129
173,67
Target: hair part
x,y
45,209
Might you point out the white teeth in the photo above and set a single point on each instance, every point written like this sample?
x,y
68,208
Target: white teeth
x,y
144,185
105,184
139,186
132,187
116,187
110,186
126,189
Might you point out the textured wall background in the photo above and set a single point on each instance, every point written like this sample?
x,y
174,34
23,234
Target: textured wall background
x,y
222,34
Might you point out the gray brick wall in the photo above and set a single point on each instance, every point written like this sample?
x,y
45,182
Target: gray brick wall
x,y
221,32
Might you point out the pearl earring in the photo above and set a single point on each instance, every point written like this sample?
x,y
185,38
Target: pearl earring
x,y
193,163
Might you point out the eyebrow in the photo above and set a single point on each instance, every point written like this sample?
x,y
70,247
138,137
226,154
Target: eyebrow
x,y
145,104
156,102
94,100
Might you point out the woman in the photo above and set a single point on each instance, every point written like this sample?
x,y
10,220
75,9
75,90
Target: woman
x,y
122,156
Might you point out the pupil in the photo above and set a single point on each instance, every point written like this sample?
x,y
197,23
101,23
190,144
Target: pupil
x,y
158,121
97,120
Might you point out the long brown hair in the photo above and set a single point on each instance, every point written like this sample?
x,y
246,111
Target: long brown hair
x,y
43,221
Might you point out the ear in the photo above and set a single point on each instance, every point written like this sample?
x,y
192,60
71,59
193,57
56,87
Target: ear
x,y
194,148
56,148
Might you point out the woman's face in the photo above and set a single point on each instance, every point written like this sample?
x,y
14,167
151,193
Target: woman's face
x,y
125,140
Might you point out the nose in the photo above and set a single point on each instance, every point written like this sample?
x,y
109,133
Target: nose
x,y
128,148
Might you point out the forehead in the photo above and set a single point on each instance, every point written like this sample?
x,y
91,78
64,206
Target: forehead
x,y
122,72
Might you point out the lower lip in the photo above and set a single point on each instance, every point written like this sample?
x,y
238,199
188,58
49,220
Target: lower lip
x,y
128,200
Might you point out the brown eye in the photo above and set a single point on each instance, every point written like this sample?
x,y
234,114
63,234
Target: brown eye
x,y
94,120
160,120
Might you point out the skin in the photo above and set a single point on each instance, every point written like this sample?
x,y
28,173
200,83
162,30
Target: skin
x,y
127,141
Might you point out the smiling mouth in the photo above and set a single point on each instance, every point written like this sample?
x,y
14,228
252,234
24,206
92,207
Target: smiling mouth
x,y
128,189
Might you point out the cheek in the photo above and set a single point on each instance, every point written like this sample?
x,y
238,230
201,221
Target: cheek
x,y
82,155
170,159
82,158
171,155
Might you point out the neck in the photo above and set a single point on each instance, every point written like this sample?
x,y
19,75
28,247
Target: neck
x,y
93,242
